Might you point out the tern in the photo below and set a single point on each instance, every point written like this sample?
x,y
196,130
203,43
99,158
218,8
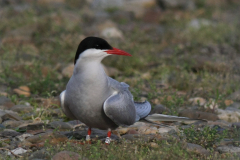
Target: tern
x,y
98,100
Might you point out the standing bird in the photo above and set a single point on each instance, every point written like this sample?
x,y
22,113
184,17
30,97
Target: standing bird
x,y
98,100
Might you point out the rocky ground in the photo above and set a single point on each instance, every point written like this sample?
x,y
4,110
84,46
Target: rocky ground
x,y
185,62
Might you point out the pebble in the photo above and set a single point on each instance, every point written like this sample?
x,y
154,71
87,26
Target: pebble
x,y
23,90
228,115
67,155
17,151
228,149
24,136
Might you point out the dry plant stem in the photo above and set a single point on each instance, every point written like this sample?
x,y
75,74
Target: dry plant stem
x,y
11,152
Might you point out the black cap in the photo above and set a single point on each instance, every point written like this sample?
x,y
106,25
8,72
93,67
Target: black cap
x,y
91,43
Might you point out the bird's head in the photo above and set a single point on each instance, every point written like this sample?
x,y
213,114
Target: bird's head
x,y
96,48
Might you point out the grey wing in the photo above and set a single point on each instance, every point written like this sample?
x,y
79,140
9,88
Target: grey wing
x,y
64,107
142,109
119,107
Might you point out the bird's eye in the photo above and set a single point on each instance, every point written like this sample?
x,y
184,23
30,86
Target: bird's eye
x,y
97,46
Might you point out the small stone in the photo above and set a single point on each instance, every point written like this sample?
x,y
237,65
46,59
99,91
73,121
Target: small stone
x,y
228,149
17,151
22,90
164,130
22,108
122,131
23,136
197,101
67,155
228,115
132,131
197,149
68,71
228,102
10,115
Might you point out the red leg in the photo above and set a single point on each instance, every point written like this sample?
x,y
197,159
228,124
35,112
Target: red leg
x,y
88,135
108,139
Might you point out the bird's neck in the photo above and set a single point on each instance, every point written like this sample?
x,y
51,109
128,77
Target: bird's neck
x,y
90,70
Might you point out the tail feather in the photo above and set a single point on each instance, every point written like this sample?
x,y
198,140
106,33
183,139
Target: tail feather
x,y
142,109
162,117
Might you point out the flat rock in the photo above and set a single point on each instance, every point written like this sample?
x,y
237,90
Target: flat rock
x,y
32,126
67,155
9,115
197,149
12,123
228,149
22,108
61,125
17,151
9,134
